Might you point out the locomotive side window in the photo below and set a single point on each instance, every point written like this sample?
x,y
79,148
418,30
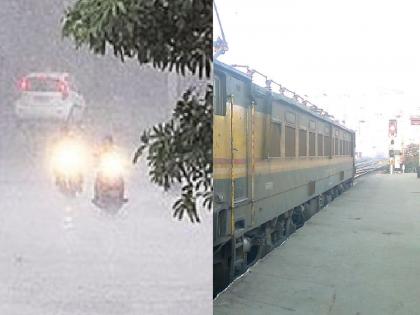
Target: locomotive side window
x,y
241,189
336,146
290,142
312,144
327,146
320,145
302,142
275,136
219,100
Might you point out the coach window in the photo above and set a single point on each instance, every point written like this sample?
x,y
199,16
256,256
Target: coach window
x,y
275,136
290,142
219,101
302,142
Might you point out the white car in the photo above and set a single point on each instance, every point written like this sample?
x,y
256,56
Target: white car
x,y
49,96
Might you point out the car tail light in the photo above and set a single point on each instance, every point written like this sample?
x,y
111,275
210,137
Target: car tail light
x,y
23,85
63,88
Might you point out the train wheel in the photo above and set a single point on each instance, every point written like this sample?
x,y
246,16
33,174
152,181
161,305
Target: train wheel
x,y
254,254
220,277
222,268
298,217
328,198
307,212
290,226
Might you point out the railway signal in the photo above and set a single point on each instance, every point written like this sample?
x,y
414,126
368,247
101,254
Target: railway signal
x,y
415,121
392,127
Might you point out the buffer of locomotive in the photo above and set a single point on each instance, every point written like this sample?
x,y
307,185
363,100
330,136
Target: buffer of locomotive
x,y
276,163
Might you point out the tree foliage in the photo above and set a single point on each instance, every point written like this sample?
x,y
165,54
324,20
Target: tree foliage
x,y
170,34
173,35
180,151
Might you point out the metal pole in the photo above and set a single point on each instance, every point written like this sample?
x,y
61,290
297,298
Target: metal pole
x,y
232,196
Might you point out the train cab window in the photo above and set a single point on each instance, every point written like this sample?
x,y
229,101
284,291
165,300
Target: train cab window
x,y
320,145
219,100
275,139
302,142
290,141
311,144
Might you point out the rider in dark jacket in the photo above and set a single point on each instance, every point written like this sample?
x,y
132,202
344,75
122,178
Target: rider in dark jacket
x,y
107,146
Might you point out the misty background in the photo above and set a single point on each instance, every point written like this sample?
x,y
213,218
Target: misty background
x,y
358,60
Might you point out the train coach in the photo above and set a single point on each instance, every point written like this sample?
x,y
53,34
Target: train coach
x,y
276,160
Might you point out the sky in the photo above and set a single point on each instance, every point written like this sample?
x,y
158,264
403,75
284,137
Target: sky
x,y
359,60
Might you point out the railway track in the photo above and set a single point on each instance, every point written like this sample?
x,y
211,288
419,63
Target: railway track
x,y
367,166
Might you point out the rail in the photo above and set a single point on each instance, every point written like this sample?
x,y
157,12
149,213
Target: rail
x,y
367,166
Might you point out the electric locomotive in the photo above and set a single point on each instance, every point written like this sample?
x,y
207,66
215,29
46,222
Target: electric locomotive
x,y
277,160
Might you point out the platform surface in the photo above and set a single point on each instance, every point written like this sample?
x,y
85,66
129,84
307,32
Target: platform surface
x,y
360,255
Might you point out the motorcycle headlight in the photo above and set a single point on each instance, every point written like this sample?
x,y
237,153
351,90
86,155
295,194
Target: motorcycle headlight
x,y
69,158
111,165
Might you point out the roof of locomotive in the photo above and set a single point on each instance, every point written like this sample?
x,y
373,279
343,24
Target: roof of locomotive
x,y
278,96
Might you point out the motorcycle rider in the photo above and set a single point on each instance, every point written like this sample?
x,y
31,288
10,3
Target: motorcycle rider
x,y
67,135
107,147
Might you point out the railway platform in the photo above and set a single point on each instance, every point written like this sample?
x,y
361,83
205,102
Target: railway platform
x,y
360,255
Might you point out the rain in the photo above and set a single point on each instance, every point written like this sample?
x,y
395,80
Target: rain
x,y
64,255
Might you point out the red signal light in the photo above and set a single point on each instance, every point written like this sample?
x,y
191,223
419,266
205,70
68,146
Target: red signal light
x,y
392,128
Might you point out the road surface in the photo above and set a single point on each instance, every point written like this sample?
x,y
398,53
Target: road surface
x,y
63,256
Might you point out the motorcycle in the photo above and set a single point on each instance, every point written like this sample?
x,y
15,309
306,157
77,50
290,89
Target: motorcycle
x,y
68,160
110,184
70,186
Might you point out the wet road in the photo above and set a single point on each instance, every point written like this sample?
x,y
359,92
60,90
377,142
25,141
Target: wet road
x,y
63,256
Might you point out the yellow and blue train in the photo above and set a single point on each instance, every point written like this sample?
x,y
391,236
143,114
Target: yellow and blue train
x,y
276,162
